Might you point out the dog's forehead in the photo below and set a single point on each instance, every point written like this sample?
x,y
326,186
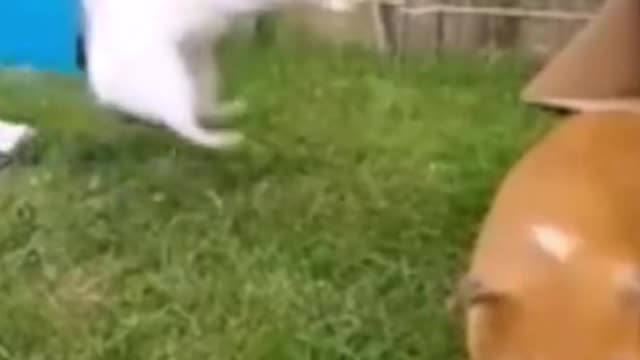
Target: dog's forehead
x,y
554,241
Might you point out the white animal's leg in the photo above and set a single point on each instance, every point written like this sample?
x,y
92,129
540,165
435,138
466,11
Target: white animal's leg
x,y
179,108
203,67
160,89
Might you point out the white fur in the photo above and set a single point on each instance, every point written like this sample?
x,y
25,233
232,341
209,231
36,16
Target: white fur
x,y
154,59
554,241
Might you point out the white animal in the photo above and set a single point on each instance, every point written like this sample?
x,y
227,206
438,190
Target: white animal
x,y
154,59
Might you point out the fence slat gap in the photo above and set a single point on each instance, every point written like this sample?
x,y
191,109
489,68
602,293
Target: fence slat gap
x,y
497,11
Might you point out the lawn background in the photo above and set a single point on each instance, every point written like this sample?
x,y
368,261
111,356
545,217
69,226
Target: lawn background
x,y
336,232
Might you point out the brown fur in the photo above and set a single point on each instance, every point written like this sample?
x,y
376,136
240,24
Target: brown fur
x,y
523,303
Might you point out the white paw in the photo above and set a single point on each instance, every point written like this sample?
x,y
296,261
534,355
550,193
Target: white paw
x,y
227,139
225,111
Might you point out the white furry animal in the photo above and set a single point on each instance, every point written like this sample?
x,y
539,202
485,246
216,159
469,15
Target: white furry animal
x,y
154,59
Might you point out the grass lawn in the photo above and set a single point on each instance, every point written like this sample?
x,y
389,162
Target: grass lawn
x,y
335,233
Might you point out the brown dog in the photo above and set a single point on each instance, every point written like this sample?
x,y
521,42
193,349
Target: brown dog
x,y
555,274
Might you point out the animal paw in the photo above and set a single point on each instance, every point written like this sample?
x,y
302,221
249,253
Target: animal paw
x,y
225,111
226,139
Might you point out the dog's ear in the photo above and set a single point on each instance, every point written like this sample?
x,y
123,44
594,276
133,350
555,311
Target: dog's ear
x,y
472,291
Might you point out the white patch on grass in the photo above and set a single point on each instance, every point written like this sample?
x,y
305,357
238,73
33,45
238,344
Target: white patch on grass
x,y
12,136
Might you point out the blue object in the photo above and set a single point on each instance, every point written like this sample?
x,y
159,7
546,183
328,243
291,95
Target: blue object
x,y
40,34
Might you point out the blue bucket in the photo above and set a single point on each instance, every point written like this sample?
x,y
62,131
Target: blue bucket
x,y
41,34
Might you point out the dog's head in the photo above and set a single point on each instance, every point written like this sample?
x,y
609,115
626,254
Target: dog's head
x,y
591,317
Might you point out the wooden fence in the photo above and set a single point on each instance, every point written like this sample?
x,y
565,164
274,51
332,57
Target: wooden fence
x,y
536,28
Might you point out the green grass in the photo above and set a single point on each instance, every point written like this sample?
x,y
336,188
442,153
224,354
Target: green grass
x,y
335,233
